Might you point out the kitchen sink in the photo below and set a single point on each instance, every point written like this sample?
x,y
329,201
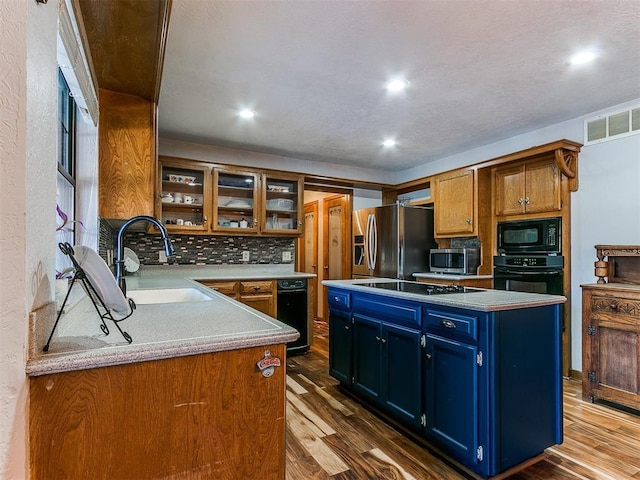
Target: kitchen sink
x,y
168,295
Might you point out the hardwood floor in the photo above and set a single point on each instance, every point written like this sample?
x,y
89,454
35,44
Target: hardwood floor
x,y
330,436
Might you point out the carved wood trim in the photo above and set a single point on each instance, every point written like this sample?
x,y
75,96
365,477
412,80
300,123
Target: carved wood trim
x,y
606,268
567,162
615,306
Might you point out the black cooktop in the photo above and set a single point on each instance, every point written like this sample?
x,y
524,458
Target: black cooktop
x,y
420,288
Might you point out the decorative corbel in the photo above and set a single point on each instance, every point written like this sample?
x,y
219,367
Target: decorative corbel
x,y
567,162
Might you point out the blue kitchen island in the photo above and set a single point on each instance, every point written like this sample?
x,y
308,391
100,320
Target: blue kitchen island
x,y
476,373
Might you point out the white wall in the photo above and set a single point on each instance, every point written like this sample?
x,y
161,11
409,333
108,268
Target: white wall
x,y
605,211
28,95
231,156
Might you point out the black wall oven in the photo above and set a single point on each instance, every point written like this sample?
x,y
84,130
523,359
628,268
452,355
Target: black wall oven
x,y
530,256
535,274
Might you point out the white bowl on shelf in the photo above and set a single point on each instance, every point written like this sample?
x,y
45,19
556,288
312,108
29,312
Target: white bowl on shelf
x,y
280,204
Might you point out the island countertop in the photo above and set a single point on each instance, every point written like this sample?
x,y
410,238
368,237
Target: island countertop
x,y
486,300
159,330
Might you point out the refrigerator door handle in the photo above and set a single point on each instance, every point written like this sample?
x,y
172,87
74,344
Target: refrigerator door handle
x,y
373,240
367,241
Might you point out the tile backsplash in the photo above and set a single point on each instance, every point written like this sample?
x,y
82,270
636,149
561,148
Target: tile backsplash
x,y
201,249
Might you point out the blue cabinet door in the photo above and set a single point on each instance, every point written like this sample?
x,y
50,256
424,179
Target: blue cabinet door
x,y
367,346
451,392
340,345
402,373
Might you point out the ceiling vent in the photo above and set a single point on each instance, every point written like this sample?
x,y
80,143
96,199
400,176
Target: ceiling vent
x,y
612,125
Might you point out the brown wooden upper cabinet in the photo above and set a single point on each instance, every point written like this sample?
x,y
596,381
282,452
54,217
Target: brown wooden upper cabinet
x,y
532,187
127,158
197,197
185,196
454,200
282,203
235,201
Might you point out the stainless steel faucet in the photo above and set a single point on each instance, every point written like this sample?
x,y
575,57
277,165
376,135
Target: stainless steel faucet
x,y
119,260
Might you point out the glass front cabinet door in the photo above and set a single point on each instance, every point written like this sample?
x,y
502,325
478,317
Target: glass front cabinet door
x,y
235,198
282,204
185,196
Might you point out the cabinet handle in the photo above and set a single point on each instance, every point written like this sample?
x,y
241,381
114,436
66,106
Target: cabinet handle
x,y
326,267
346,327
447,324
468,221
383,340
204,219
527,200
256,288
255,222
428,356
377,338
336,299
613,305
520,201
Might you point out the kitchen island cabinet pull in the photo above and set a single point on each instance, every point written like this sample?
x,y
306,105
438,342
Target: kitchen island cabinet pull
x,y
447,324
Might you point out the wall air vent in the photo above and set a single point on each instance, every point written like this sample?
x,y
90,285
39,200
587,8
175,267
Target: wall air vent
x,y
612,125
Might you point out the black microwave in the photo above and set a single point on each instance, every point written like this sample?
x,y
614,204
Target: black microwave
x,y
540,236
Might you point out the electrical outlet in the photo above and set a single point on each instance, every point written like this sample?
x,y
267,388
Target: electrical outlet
x,y
245,256
286,256
162,257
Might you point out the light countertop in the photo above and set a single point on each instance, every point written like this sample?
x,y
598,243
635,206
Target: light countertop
x,y
486,300
449,276
159,330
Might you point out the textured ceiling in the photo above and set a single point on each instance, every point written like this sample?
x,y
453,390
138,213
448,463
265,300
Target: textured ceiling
x,y
314,71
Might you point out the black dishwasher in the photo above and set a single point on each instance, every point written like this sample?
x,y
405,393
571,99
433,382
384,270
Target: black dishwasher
x,y
292,310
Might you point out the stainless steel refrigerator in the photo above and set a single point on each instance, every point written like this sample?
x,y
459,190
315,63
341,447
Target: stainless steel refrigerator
x,y
392,241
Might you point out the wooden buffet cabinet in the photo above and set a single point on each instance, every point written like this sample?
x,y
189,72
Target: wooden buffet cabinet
x,y
611,328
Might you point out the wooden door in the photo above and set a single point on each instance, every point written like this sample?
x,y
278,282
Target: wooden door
x,y
127,163
336,240
542,191
510,190
454,204
307,257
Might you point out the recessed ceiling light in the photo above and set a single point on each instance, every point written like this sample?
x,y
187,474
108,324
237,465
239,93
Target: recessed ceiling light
x,y
583,57
246,113
389,142
397,85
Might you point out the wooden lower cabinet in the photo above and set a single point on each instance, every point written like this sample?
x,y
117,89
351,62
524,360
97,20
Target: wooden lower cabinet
x,y
611,343
258,294
199,417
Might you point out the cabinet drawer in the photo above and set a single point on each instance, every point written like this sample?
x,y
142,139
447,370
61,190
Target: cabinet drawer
x,y
256,287
615,306
449,324
399,313
226,288
339,299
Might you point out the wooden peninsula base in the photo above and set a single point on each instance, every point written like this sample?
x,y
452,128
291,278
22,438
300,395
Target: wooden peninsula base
x,y
202,416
